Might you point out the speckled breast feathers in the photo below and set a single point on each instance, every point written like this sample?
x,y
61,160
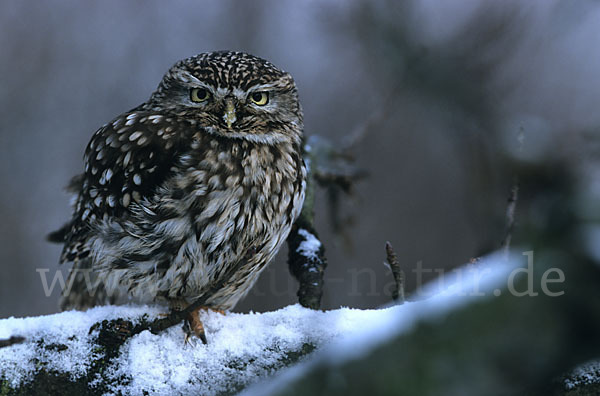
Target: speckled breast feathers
x,y
199,185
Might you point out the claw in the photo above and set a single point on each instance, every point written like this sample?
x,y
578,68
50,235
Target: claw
x,y
192,326
196,325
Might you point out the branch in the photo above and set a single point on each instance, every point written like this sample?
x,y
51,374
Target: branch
x,y
11,341
512,202
307,263
496,346
510,216
306,254
392,261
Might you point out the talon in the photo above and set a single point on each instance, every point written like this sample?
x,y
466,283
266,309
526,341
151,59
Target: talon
x,y
196,325
192,326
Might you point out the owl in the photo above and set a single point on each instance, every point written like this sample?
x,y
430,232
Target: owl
x,y
199,186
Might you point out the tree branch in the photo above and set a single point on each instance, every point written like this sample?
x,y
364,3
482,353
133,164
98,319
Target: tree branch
x,y
11,341
392,261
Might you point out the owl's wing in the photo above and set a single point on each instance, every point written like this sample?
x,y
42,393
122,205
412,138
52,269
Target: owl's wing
x,y
125,161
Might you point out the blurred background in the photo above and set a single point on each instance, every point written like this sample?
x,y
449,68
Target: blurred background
x,y
438,91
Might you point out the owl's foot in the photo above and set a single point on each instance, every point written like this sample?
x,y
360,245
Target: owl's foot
x,y
193,325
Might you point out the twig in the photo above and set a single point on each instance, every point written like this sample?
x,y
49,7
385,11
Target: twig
x,y
11,341
512,202
392,260
510,215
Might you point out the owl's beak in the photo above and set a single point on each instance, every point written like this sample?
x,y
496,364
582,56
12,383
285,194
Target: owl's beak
x,y
229,115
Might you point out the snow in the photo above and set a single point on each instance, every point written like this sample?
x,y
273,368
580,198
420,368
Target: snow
x,y
242,348
459,288
585,374
309,248
70,329
246,347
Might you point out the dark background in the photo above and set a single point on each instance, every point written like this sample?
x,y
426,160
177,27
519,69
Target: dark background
x,y
442,89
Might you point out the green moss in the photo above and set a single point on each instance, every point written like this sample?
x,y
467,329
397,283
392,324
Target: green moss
x,y
4,388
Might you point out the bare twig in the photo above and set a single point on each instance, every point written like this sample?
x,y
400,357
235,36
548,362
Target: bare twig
x,y
11,341
512,202
392,260
510,215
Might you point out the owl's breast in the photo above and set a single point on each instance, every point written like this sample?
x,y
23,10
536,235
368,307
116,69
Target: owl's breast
x,y
238,194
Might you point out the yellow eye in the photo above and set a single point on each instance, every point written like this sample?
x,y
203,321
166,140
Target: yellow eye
x,y
199,95
260,98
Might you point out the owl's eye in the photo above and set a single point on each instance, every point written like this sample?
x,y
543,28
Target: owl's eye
x,y
260,98
199,95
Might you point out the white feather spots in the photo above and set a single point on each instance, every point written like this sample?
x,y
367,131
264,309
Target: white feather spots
x,y
160,132
127,159
135,135
224,156
107,174
151,155
100,155
131,119
85,214
155,118
126,199
137,179
93,193
109,139
142,140
198,175
169,145
136,196
112,201
232,181
98,201
122,130
94,170
214,182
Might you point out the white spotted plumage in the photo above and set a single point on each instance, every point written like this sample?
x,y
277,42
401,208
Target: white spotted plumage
x,y
175,201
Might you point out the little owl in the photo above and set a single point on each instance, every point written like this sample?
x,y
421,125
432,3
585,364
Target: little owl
x,y
198,186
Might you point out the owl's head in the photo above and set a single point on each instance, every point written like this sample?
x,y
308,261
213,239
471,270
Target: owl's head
x,y
233,95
